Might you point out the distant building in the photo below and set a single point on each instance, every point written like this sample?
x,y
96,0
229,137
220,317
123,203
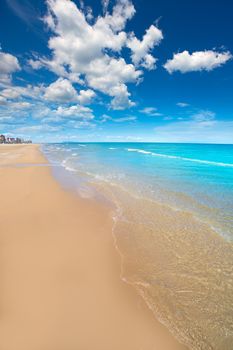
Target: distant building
x,y
12,140
2,139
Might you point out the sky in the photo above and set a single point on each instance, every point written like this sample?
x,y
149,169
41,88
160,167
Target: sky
x,y
117,70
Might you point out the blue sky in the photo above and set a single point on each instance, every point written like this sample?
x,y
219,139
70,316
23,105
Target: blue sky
x,y
117,70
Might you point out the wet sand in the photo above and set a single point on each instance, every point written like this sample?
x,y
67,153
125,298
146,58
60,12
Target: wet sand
x,y
59,269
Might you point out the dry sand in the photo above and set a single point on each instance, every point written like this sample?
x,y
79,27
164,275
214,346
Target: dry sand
x,y
60,286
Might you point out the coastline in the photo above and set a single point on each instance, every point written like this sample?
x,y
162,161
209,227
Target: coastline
x,y
60,274
178,263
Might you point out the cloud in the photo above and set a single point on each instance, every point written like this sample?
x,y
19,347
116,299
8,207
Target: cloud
x,y
182,104
41,111
106,118
75,111
8,65
121,98
78,124
204,118
52,119
107,75
151,111
7,120
61,91
22,110
35,64
203,115
21,105
122,12
10,93
90,54
140,49
197,61
86,96
105,4
3,101
15,92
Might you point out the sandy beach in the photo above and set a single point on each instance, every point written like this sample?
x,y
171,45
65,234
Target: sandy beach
x,y
60,272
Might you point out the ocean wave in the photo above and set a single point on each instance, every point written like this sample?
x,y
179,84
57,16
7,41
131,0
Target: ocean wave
x,y
68,168
209,162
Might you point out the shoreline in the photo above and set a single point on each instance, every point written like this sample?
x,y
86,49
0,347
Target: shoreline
x,y
176,262
60,271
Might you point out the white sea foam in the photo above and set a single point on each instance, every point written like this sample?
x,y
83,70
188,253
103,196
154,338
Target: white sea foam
x,y
70,168
180,158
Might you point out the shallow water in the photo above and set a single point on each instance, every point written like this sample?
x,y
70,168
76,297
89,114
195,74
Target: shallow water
x,y
173,228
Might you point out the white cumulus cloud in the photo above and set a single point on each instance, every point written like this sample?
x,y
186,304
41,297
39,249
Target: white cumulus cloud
x,y
140,49
86,96
8,65
75,112
105,4
151,111
90,54
182,104
197,61
3,100
61,91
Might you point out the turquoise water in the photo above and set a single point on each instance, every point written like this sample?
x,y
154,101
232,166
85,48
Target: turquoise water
x,y
194,177
173,227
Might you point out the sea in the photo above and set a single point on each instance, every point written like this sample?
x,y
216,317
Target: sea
x,y
172,206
